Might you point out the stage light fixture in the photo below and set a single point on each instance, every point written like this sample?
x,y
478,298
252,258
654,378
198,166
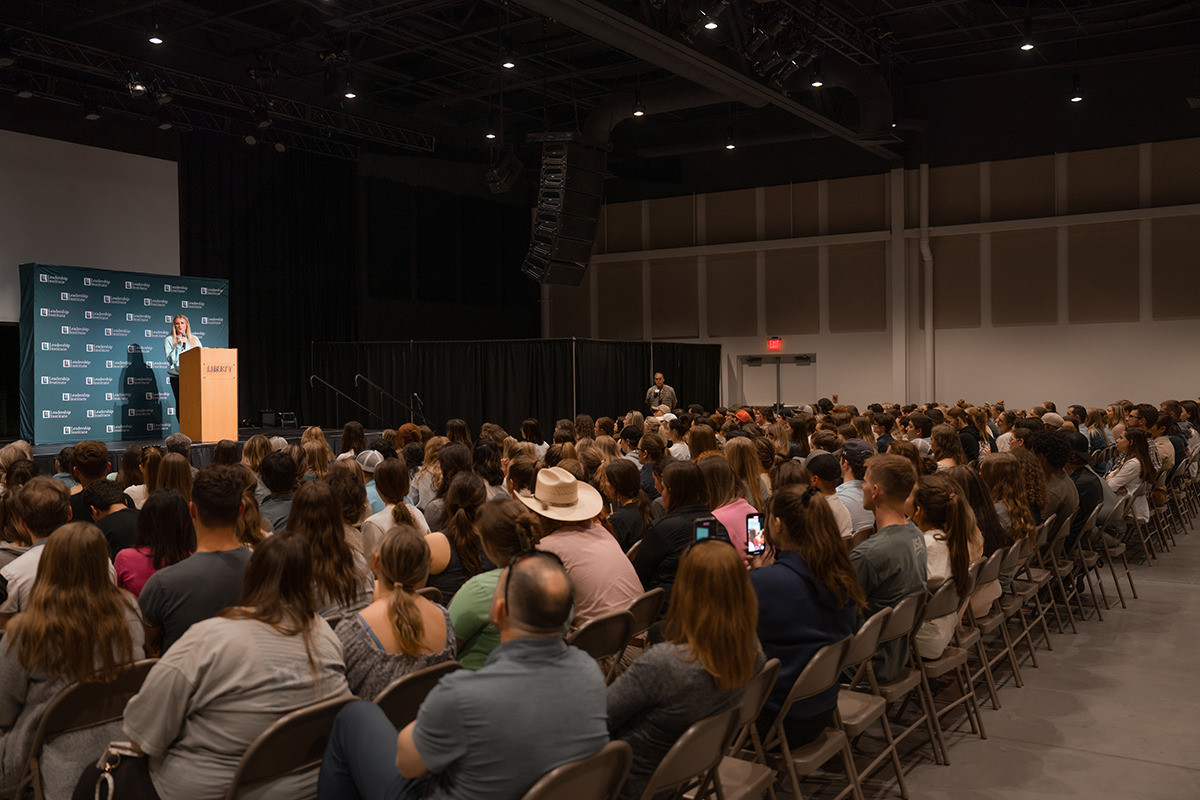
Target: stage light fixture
x,y
162,97
729,143
506,58
280,147
349,92
136,87
262,118
710,24
1076,92
250,139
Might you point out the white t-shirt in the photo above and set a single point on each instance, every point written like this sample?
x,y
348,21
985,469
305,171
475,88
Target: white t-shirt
x,y
681,451
935,634
376,525
221,685
841,515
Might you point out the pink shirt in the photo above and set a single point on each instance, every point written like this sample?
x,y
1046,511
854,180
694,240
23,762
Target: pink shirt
x,y
134,567
733,517
604,577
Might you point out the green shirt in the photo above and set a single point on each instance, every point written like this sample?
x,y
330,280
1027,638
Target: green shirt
x,y
469,615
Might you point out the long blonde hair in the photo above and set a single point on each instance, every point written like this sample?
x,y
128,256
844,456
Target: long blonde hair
x,y
187,324
404,567
743,457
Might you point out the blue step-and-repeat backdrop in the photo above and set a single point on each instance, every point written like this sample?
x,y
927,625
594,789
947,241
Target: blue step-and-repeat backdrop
x,y
93,358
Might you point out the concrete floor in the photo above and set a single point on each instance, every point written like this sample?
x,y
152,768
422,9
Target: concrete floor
x,y
1110,713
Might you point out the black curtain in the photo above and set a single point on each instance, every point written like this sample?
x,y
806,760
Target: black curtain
x,y
693,370
281,229
500,381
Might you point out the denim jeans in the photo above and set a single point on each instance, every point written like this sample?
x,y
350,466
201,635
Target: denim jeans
x,y
360,759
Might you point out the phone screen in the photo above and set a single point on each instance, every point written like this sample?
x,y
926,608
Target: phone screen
x,y
756,542
703,528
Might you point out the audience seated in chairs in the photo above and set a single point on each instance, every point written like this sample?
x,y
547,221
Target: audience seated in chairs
x,y
76,626
506,528
952,543
891,564
400,631
537,704
165,536
808,597
341,579
228,678
604,579
708,654
40,507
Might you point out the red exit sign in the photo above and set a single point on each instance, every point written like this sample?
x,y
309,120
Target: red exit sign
x,y
774,344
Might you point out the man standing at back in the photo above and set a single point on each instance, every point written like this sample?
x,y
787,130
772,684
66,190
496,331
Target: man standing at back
x,y
891,564
660,394
486,735
210,579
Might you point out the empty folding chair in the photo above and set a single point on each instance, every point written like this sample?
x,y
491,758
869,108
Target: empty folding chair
x,y
970,638
1063,569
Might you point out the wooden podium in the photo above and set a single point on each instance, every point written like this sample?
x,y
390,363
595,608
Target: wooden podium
x,y
208,394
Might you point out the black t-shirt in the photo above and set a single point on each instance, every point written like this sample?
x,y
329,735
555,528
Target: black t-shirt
x,y
120,528
627,525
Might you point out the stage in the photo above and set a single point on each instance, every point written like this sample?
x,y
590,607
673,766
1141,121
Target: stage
x,y
201,455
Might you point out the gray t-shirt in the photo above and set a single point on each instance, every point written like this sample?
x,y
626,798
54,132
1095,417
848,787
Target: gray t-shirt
x,y
178,596
221,685
891,565
491,734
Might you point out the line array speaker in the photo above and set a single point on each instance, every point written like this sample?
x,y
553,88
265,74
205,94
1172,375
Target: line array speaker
x,y
569,196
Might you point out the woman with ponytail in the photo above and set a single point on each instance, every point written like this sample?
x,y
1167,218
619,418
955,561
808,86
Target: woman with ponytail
x,y
455,549
400,631
507,528
392,483
808,597
941,511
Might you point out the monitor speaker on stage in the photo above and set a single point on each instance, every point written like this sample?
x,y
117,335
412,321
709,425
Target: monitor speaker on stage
x,y
569,196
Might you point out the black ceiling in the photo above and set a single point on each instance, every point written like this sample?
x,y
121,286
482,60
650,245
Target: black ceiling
x,y
942,81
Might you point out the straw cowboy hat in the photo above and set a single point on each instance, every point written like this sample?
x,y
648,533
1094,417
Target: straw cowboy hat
x,y
560,496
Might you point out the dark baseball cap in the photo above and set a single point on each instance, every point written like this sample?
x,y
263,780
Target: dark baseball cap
x,y
824,466
856,451
631,433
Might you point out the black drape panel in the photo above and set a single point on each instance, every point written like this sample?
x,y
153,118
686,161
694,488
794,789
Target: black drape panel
x,y
281,229
500,381
694,370
612,377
